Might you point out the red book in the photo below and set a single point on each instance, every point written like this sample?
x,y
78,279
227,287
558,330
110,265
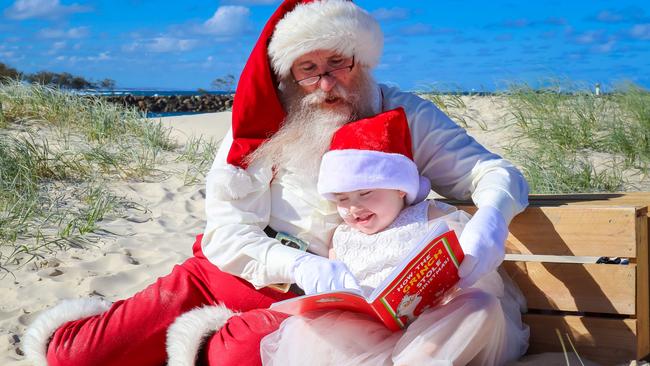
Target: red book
x,y
420,282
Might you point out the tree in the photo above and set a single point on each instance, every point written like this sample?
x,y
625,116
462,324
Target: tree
x,y
226,83
107,84
62,80
9,72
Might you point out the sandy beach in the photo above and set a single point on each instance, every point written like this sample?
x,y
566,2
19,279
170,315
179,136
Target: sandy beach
x,y
147,243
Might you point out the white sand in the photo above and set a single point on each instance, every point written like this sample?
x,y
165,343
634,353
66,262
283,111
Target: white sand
x,y
150,243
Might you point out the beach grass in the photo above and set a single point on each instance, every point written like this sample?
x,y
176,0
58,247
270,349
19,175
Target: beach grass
x,y
569,140
198,153
452,104
57,151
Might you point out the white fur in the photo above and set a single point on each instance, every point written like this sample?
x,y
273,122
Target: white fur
x,y
350,170
186,335
40,331
231,182
337,25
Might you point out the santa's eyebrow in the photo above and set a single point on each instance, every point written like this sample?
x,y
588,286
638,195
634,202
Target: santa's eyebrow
x,y
306,63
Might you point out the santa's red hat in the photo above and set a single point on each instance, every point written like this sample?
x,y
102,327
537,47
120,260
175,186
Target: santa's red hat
x,y
297,27
373,153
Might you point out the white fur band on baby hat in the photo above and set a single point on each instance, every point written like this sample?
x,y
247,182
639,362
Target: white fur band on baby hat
x,y
352,170
337,25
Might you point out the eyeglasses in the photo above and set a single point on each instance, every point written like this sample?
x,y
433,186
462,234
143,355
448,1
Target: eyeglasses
x,y
336,73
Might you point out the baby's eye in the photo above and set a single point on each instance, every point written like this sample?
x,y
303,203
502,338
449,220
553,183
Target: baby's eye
x,y
363,194
343,199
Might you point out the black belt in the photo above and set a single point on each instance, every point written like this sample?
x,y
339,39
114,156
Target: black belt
x,y
271,233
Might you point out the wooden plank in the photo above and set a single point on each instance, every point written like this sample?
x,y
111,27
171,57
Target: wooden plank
x,y
605,341
630,199
639,199
573,230
643,288
595,288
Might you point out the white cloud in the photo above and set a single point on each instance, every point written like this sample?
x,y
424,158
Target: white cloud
x,y
161,44
228,21
56,47
641,31
103,56
589,37
7,54
169,44
606,47
50,9
390,14
72,33
252,2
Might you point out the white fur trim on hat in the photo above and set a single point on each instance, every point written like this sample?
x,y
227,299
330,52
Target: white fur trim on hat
x,y
40,331
188,332
337,25
350,170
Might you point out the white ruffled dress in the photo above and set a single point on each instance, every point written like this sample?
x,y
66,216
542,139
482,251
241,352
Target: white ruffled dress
x,y
480,325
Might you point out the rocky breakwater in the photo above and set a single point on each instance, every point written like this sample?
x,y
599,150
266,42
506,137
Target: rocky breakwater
x,y
205,103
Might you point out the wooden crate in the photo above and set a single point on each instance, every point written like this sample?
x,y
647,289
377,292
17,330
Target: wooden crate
x,y
603,308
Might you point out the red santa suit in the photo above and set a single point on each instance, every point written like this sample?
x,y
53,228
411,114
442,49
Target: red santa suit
x,y
235,260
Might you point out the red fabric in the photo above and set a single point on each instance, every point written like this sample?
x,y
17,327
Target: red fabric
x,y
257,112
238,342
386,132
132,331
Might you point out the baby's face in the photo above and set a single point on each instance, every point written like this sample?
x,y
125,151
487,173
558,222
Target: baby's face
x,y
370,210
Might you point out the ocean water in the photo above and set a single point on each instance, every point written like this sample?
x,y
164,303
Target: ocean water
x,y
170,114
152,92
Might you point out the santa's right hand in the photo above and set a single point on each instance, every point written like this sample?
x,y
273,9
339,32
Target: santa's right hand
x,y
315,274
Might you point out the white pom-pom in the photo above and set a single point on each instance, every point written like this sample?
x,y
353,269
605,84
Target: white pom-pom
x,y
231,182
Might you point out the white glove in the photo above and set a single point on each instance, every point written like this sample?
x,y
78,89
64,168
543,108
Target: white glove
x,y
483,241
315,274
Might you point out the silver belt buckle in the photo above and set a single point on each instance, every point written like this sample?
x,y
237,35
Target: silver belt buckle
x,y
291,241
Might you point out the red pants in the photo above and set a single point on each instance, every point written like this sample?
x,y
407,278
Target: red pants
x,y
132,331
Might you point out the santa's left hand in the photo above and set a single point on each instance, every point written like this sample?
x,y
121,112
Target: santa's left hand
x,y
483,242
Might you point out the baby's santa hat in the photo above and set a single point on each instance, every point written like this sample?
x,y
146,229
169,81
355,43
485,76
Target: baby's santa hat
x,y
373,153
297,27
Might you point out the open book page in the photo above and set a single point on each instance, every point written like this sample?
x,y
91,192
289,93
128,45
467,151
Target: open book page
x,y
333,300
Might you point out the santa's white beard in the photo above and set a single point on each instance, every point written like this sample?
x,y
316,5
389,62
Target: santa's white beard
x,y
307,130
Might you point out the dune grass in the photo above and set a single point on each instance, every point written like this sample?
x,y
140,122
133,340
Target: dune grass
x,y
576,141
451,102
57,151
198,153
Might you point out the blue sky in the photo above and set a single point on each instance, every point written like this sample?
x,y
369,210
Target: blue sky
x,y
468,45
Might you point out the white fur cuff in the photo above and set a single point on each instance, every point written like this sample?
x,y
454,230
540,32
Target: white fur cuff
x,y
39,332
186,335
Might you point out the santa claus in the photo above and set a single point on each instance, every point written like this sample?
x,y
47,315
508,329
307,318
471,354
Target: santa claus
x,y
309,73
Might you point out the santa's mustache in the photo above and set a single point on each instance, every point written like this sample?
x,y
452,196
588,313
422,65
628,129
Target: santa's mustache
x,y
320,96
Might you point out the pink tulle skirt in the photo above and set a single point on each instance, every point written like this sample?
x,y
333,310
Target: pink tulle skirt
x,y
475,326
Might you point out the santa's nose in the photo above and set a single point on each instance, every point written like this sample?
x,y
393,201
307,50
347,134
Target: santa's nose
x,y
327,82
